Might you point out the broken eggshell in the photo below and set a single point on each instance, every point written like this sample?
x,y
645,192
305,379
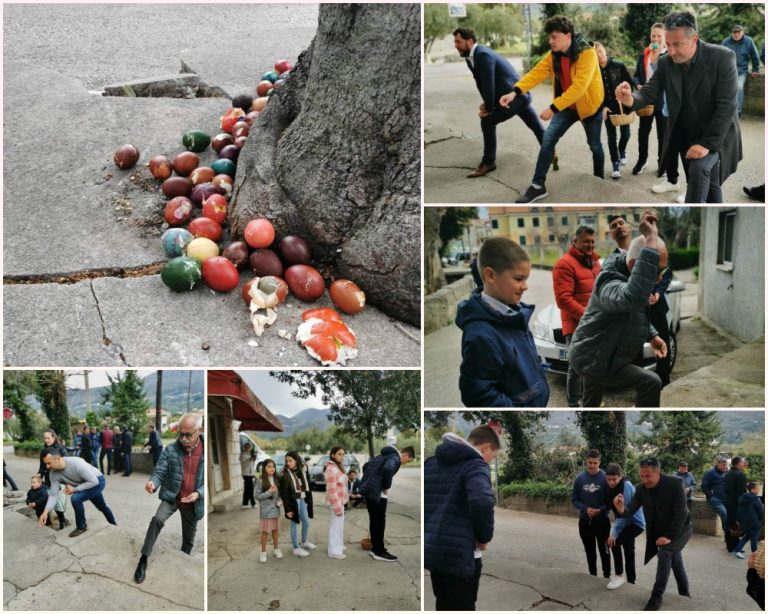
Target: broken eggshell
x,y
265,292
330,342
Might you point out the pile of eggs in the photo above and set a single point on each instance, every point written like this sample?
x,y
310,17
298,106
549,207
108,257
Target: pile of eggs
x,y
197,212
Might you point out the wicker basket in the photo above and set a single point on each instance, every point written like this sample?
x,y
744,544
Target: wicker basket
x,y
760,559
366,543
645,111
621,119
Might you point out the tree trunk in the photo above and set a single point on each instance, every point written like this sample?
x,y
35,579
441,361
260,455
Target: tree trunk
x,y
433,268
159,402
335,156
369,439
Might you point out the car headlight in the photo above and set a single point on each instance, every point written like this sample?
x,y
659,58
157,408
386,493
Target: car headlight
x,y
540,331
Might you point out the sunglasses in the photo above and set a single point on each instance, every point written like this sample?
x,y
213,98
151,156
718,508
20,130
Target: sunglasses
x,y
649,462
187,435
679,21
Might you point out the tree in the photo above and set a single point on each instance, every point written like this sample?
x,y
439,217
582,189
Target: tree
x,y
51,392
434,277
606,432
452,224
715,21
128,400
680,226
335,157
15,389
437,24
493,24
362,403
638,20
541,44
692,436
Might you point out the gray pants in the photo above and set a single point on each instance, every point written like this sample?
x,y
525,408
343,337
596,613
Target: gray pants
x,y
164,512
703,178
574,385
646,383
669,560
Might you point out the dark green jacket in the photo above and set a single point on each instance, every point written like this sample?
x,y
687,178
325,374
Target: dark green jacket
x,y
615,323
168,475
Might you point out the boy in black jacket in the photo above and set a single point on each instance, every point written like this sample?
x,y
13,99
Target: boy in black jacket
x,y
37,496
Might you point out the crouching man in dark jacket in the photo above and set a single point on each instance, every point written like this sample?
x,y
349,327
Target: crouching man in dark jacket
x,y
667,522
615,323
377,480
179,475
458,515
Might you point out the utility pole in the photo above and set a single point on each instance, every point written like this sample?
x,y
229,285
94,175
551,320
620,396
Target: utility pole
x,y
159,402
88,406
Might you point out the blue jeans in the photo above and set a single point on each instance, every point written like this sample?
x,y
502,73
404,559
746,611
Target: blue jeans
x,y
751,536
520,106
95,457
741,80
108,453
304,518
127,465
94,496
719,507
558,126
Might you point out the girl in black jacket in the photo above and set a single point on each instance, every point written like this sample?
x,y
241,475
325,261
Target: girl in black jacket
x,y
297,501
54,445
613,74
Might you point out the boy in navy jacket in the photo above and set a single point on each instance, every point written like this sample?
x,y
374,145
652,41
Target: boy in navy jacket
x,y
500,366
589,497
37,496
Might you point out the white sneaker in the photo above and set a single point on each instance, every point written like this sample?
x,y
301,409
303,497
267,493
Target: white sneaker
x,y
660,188
623,160
308,546
337,556
300,552
680,199
244,507
615,582
263,557
278,553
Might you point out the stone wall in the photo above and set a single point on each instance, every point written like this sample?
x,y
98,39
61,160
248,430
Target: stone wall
x,y
440,306
754,95
705,521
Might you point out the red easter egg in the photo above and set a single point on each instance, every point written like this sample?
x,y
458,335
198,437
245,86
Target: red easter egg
x,y
259,233
205,227
220,274
215,208
305,282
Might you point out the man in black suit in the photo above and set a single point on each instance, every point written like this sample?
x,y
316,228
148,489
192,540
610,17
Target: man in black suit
x,y
667,525
494,76
701,85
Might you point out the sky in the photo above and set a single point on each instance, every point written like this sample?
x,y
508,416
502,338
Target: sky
x,y
276,395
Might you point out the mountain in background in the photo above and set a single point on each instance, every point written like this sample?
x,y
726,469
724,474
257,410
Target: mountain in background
x,y
305,419
176,384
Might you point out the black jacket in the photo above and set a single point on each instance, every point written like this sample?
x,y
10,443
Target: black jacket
x,y
378,473
56,448
86,447
734,485
126,444
613,74
38,496
288,495
666,514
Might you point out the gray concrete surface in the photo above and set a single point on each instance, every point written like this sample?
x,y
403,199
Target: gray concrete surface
x,y
699,345
45,569
71,216
453,148
317,582
537,562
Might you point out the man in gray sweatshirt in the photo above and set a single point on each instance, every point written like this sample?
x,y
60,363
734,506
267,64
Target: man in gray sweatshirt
x,y
81,480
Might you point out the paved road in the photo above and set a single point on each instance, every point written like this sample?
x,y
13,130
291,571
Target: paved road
x,y
453,147
537,561
698,346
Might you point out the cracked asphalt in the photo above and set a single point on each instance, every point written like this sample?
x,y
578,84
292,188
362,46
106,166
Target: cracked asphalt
x,y
80,236
537,562
453,147
45,569
317,582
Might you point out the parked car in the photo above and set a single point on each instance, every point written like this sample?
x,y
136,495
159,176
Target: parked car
x,y
317,477
279,463
261,456
550,341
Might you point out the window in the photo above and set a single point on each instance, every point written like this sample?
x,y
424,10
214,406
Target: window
x,y
535,222
637,218
537,240
550,222
725,238
521,222
588,220
564,220
522,240
495,224
551,238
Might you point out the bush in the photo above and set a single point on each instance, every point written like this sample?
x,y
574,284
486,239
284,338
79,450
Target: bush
x,y
680,259
554,490
28,445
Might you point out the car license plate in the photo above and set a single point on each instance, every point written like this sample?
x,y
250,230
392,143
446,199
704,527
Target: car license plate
x,y
563,354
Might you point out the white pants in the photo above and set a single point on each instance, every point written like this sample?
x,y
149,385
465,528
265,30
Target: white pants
x,y
336,534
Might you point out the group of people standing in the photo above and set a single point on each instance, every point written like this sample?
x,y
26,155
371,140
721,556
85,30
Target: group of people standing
x,y
290,494
693,90
116,445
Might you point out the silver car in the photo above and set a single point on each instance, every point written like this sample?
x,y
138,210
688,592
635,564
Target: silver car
x,y
550,341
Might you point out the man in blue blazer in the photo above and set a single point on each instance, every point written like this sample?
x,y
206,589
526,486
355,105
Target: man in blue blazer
x,y
494,76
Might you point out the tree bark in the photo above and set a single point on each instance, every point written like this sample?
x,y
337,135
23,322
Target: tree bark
x,y
335,156
433,268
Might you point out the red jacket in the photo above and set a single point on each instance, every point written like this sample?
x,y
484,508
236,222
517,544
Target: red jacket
x,y
574,277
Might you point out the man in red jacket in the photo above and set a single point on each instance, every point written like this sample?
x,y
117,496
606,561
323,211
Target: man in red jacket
x,y
574,277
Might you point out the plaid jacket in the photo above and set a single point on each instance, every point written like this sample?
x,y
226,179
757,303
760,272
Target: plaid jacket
x,y
336,493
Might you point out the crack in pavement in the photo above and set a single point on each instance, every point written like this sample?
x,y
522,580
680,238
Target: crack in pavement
x,y
464,168
516,191
448,138
72,278
533,588
112,347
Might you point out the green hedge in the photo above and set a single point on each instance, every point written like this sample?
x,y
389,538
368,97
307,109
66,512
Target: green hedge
x,y
537,489
27,445
680,259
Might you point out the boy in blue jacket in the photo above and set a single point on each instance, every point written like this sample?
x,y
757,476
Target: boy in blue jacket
x,y
458,515
624,531
751,517
588,496
500,366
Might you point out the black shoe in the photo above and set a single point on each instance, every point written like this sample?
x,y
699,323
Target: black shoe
x,y
654,603
533,194
757,193
77,532
385,556
639,167
141,570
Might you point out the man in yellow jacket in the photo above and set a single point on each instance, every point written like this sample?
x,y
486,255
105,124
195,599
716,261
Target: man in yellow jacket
x,y
572,65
